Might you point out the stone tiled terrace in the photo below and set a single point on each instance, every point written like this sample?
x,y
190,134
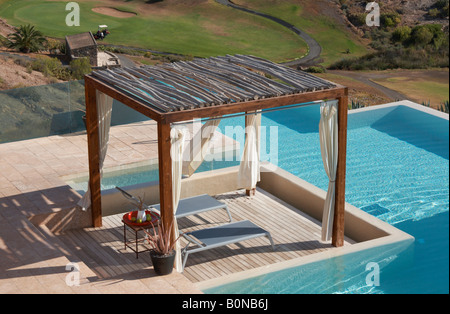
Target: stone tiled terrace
x,y
35,247
32,259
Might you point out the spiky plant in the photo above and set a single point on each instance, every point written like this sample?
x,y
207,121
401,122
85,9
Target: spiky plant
x,y
445,107
161,239
26,39
355,105
426,104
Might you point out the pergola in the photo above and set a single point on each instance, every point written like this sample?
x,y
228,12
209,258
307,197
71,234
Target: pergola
x,y
206,88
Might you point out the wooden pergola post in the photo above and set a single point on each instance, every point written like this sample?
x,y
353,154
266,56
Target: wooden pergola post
x,y
165,175
92,128
339,206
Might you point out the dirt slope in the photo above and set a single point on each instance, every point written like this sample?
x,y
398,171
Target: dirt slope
x,y
13,75
413,12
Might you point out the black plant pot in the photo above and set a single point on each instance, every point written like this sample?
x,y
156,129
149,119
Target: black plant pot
x,y
162,264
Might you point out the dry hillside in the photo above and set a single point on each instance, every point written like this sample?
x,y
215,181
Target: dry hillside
x,y
412,12
15,75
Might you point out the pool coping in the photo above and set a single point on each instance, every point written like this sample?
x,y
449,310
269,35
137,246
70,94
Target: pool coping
x,y
379,232
405,103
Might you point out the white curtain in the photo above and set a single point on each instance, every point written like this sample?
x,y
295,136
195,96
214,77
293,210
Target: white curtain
x,y
198,147
177,137
104,111
249,169
328,132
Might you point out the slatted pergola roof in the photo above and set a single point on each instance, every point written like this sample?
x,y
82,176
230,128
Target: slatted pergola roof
x,y
202,88
210,82
205,88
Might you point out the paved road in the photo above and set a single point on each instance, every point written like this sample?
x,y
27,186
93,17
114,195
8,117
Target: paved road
x,y
314,48
125,61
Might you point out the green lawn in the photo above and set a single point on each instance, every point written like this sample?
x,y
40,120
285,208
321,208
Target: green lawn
x,y
334,37
206,29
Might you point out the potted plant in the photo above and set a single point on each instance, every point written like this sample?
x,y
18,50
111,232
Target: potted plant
x,y
162,253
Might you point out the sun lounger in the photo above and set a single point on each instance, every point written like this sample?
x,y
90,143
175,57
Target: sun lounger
x,y
196,205
222,235
187,206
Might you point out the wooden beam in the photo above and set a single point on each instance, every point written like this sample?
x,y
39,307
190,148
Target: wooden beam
x,y
123,97
232,108
92,127
339,208
165,175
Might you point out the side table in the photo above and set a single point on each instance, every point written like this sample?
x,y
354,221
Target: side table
x,y
136,227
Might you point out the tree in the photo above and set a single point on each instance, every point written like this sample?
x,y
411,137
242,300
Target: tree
x,y
26,39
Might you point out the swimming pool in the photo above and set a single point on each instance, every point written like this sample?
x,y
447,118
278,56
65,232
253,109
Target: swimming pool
x,y
397,170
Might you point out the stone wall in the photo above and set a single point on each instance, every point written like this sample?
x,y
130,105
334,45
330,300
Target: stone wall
x,y
89,52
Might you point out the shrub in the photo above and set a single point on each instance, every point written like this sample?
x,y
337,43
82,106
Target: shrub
x,y
56,46
401,34
357,19
315,69
424,35
394,58
80,67
22,62
3,41
50,67
389,20
381,39
442,7
434,12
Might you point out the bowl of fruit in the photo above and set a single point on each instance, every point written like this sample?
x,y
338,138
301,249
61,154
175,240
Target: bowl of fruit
x,y
131,218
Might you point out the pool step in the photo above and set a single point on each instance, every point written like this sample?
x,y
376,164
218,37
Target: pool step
x,y
375,210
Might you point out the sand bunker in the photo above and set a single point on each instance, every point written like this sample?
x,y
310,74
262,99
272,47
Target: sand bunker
x,y
113,12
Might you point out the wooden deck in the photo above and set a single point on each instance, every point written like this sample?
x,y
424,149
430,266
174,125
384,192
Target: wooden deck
x,y
294,233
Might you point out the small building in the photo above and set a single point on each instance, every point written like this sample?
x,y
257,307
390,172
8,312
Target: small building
x,y
81,46
84,45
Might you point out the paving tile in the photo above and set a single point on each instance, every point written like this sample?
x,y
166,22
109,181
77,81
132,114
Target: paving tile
x,y
182,284
8,287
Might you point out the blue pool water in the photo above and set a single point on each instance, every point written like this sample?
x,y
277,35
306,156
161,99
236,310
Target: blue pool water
x,y
137,175
397,170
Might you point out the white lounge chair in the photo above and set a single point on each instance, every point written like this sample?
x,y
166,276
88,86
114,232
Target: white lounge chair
x,y
222,235
188,206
